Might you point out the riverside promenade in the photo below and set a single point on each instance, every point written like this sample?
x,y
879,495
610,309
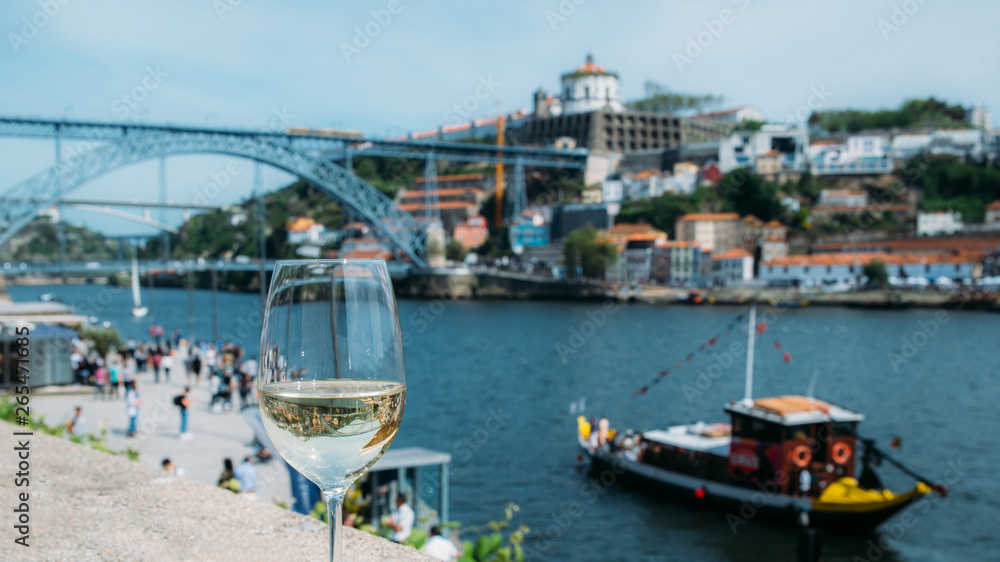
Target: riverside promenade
x,y
214,436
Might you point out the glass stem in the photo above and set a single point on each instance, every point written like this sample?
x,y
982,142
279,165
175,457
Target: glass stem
x,y
334,510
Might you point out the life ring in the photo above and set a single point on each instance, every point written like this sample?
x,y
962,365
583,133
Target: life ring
x,y
800,456
840,452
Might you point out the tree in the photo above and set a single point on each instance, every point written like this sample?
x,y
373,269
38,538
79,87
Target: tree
x,y
913,113
747,193
103,338
750,125
661,100
454,251
660,212
950,184
586,249
877,273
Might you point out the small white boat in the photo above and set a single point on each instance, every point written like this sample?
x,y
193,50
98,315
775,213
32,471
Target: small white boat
x,y
137,309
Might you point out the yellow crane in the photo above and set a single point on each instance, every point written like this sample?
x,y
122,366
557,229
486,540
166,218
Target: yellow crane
x,y
499,180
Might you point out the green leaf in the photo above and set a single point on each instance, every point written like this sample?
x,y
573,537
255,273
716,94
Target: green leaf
x,y
487,545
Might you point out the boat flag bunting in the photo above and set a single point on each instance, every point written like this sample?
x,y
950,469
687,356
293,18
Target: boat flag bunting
x,y
702,348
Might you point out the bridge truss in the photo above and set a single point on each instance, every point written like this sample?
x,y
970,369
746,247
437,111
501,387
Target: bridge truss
x,y
104,147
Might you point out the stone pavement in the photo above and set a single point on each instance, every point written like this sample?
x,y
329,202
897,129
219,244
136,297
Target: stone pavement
x,y
83,504
215,436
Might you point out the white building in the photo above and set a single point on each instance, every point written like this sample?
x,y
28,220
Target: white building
x,y
993,213
590,88
859,154
960,143
734,267
907,145
939,222
735,115
980,117
742,149
612,190
819,270
842,198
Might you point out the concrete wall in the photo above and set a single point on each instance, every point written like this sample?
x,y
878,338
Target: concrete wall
x,y
87,505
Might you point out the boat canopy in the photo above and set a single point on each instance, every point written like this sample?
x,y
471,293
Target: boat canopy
x,y
710,438
794,410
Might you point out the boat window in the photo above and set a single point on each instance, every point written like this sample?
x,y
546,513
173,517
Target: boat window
x,y
753,428
798,432
845,428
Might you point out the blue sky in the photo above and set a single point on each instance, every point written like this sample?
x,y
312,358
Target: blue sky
x,y
241,62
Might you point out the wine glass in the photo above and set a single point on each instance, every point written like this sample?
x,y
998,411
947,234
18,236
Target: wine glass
x,y
332,382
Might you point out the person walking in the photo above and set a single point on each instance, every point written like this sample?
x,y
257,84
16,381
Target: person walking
x,y
132,404
196,365
156,358
246,386
140,359
184,401
167,363
114,378
100,382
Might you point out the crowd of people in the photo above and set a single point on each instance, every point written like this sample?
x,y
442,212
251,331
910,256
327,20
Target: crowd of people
x,y
115,375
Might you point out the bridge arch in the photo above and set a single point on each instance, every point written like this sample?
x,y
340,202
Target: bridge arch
x,y
390,223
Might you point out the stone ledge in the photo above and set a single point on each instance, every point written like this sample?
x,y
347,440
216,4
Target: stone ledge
x,y
89,505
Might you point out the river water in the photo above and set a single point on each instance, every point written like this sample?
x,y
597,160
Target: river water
x,y
491,383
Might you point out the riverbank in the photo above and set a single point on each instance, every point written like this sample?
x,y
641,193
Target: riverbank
x,y
481,284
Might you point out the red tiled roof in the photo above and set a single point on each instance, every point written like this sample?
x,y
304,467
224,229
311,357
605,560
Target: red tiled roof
x,y
993,206
862,258
441,205
366,254
722,112
454,177
709,217
733,253
645,174
420,194
628,229
840,193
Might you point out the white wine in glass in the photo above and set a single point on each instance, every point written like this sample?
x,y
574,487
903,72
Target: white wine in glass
x,y
332,382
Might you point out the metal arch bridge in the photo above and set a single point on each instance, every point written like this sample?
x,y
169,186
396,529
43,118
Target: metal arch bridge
x,y
393,225
118,145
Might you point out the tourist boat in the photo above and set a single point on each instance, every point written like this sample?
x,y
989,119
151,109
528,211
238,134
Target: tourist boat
x,y
753,465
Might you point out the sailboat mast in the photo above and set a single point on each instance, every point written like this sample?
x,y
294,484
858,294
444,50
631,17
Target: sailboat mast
x,y
751,335
136,301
